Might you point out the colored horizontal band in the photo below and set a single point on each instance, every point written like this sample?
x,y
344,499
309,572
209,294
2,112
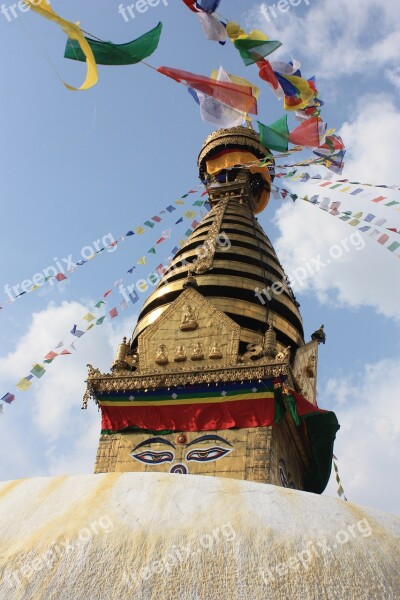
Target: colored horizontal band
x,y
190,400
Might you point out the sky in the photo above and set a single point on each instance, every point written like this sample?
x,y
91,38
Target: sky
x,y
84,166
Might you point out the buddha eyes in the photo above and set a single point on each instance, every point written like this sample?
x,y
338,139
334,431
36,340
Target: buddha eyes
x,y
207,454
154,458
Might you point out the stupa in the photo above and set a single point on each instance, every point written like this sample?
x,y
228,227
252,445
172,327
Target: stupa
x,y
216,383
203,385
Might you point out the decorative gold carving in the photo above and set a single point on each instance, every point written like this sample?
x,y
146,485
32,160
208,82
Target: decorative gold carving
x,y
180,354
270,342
189,319
208,374
284,355
197,353
162,356
206,258
253,351
241,136
92,372
212,324
215,351
190,280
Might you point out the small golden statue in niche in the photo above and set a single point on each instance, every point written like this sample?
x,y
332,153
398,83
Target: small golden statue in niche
x,y
180,354
189,319
197,353
161,355
215,351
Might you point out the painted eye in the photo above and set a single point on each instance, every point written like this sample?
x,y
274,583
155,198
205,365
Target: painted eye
x,y
153,458
207,454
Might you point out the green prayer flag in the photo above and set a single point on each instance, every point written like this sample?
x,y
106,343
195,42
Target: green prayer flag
x,y
99,303
38,371
275,136
393,246
252,51
107,53
100,321
198,203
152,251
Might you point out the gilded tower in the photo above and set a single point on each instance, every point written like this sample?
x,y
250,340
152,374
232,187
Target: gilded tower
x,y
217,378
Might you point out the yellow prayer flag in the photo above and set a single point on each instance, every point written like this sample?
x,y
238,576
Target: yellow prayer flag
x,y
139,230
90,326
190,214
43,8
89,317
235,32
306,92
180,202
142,261
345,189
24,384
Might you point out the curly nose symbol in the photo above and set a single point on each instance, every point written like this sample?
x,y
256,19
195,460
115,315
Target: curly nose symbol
x,y
180,469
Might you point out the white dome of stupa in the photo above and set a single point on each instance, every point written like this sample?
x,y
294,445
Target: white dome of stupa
x,y
156,536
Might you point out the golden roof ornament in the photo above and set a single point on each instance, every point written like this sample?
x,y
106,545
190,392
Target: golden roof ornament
x,y
120,361
190,281
270,342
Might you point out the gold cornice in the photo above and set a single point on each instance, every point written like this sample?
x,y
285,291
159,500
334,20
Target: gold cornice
x,y
101,383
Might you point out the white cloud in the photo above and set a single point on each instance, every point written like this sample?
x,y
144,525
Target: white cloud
x,y
372,142
368,442
342,37
45,430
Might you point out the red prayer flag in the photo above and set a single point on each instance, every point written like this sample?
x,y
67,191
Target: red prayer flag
x,y
191,4
113,313
266,73
60,277
234,95
107,294
307,133
50,355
